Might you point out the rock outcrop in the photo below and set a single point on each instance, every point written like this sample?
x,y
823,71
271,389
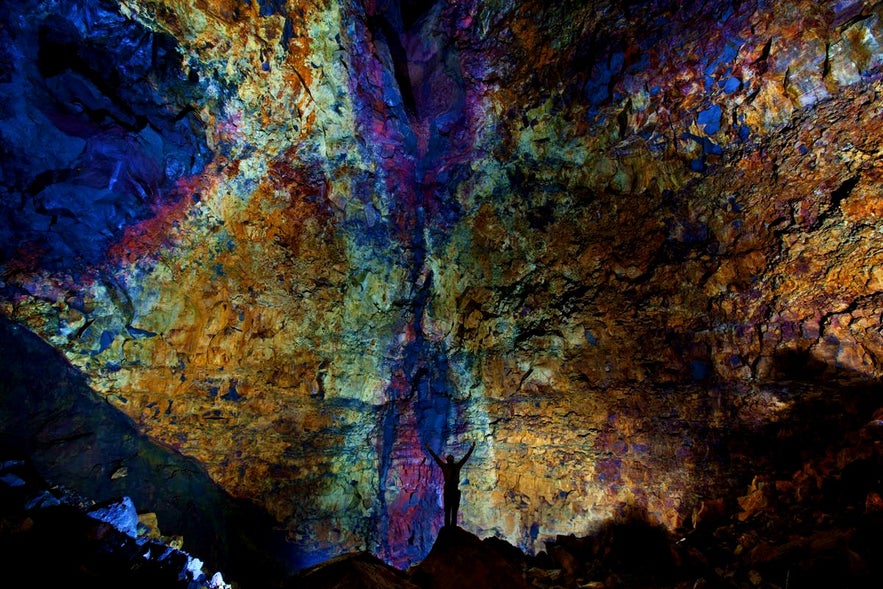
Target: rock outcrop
x,y
461,559
67,448
50,537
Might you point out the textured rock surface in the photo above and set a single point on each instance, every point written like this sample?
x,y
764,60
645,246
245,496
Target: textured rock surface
x,y
49,537
84,447
297,241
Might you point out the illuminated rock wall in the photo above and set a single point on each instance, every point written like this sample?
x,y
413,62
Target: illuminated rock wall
x,y
299,240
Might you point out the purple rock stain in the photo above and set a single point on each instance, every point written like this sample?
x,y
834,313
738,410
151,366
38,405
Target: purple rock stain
x,y
413,112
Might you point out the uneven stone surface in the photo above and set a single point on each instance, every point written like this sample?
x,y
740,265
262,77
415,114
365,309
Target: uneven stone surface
x,y
812,517
76,449
459,559
354,570
49,537
615,244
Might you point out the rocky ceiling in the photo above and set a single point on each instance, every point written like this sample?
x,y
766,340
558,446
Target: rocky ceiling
x,y
296,241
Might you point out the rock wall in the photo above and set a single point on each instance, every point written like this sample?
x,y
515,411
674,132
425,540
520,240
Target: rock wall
x,y
298,241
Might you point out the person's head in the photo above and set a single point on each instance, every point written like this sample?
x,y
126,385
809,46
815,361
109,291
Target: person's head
x,y
450,457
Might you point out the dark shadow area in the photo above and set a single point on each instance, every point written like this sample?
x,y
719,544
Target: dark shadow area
x,y
76,440
804,507
827,408
48,540
798,365
357,570
383,34
625,551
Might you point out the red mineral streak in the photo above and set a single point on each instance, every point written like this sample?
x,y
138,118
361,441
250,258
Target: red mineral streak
x,y
146,238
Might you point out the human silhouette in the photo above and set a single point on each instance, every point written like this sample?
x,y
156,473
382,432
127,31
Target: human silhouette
x,y
451,472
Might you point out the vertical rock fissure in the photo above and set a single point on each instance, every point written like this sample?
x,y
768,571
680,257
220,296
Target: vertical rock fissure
x,y
419,405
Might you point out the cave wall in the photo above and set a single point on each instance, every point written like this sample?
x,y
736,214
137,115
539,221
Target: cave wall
x,y
297,241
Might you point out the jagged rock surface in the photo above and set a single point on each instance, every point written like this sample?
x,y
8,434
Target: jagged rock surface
x,y
51,538
296,241
63,433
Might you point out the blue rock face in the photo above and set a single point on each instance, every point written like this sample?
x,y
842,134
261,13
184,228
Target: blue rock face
x,y
96,130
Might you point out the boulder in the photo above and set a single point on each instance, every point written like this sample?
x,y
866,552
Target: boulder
x,y
355,570
460,559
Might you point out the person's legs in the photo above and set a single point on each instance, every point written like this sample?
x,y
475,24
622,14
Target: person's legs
x,y
448,508
454,508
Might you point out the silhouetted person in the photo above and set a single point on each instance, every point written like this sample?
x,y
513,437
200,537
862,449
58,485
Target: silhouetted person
x,y
451,472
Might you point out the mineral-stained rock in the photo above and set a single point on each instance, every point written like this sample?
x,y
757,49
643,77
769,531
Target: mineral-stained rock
x,y
612,243
757,500
56,431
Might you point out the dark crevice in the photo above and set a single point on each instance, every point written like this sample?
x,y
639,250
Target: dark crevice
x,y
383,32
837,196
843,191
413,10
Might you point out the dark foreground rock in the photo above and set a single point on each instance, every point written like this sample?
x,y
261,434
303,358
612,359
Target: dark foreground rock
x,y
50,417
51,538
782,532
358,570
460,559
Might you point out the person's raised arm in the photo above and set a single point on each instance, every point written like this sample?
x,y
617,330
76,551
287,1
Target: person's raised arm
x,y
434,455
468,454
